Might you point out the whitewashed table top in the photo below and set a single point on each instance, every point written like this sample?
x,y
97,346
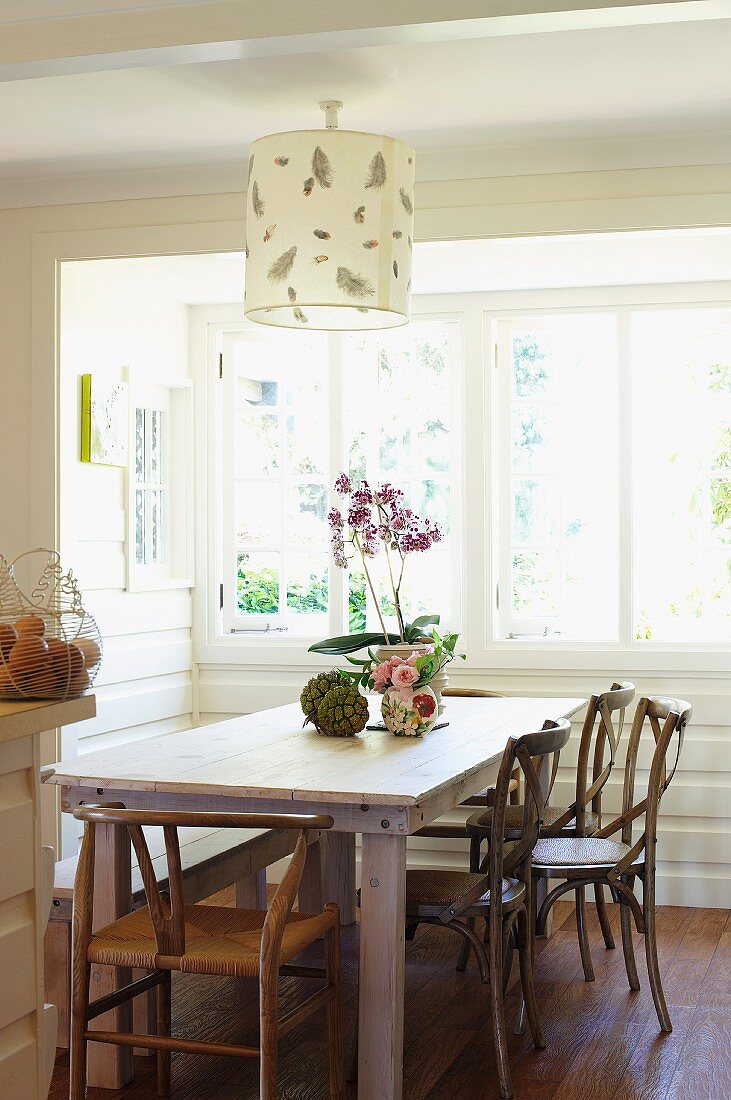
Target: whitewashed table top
x,y
269,755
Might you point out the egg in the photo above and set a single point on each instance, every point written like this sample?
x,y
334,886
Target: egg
x,y
8,638
78,683
91,650
28,655
43,682
7,687
31,624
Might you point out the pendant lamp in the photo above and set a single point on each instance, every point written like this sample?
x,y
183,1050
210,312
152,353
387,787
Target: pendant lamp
x,y
329,229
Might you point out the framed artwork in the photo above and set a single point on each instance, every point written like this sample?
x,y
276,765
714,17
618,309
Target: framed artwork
x,y
104,421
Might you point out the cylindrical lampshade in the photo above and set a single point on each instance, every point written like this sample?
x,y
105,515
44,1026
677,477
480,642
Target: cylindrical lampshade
x,y
329,227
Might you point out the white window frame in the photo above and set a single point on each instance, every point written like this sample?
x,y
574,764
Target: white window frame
x,y
177,568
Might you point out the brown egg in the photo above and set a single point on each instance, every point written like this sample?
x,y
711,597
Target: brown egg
x,y
8,638
90,649
31,624
78,683
7,687
43,682
28,655
67,661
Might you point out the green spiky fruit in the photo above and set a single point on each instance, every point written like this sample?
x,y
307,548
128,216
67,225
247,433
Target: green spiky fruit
x,y
343,712
315,691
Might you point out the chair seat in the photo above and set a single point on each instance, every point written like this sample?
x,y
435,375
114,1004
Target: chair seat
x,y
579,851
218,940
480,823
439,889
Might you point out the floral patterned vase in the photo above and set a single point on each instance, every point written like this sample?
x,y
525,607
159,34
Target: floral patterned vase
x,y
410,713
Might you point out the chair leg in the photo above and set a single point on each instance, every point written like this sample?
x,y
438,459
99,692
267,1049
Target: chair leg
x,y
497,1008
526,937
582,933
601,908
80,976
464,953
164,1015
653,967
334,1008
625,916
268,1037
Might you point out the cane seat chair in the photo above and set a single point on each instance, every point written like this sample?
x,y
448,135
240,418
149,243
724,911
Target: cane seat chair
x,y
167,935
500,894
598,748
617,863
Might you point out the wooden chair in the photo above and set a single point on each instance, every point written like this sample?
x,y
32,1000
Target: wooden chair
x,y
168,935
500,895
444,831
598,749
597,859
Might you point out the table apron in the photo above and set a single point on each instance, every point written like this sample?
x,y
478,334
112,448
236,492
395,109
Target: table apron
x,y
348,818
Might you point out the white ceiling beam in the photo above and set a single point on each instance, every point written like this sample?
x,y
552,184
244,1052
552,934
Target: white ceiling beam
x,y
231,29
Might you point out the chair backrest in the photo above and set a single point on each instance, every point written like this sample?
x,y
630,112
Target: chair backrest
x,y
521,752
598,748
167,911
668,719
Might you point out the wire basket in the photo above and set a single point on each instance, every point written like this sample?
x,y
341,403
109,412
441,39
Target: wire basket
x,y
50,647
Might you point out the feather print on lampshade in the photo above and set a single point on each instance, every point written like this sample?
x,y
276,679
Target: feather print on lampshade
x,y
348,191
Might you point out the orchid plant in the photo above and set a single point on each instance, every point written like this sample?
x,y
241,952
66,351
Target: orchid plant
x,y
368,521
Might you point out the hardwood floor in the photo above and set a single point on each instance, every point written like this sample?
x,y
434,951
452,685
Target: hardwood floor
x,y
603,1040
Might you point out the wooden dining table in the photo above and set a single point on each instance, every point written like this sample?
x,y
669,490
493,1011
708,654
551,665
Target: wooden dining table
x,y
376,785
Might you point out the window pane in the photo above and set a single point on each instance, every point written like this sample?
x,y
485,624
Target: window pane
x,y
305,516
258,518
256,438
257,584
140,543
140,444
534,363
307,584
681,440
560,477
156,445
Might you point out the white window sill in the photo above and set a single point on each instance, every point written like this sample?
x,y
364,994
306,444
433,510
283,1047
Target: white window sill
x,y
272,651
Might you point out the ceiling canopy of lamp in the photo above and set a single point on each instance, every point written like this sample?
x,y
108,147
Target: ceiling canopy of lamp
x,y
329,228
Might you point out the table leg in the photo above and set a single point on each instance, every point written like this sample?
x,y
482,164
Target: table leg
x,y
110,1067
381,1031
311,894
340,874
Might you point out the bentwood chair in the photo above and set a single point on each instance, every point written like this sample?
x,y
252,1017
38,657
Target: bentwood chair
x,y
501,895
457,831
598,747
167,935
597,859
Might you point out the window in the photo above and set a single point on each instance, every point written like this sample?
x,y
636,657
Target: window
x,y
573,564
297,409
160,485
151,489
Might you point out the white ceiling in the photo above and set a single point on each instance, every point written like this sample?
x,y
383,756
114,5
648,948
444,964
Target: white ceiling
x,y
607,259
597,86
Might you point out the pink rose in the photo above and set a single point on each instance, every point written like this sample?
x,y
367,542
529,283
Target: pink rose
x,y
381,676
404,676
